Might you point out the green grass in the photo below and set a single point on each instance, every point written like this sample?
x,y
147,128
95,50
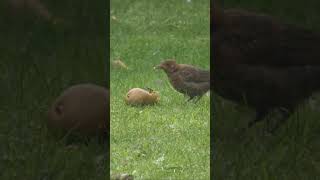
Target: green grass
x,y
293,152
171,139
38,61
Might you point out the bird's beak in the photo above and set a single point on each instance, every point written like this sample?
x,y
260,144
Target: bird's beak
x,y
157,67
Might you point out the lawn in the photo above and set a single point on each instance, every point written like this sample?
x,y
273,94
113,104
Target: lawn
x,y
293,152
38,61
169,140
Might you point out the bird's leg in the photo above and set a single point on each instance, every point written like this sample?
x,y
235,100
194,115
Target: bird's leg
x,y
285,116
102,137
190,98
198,98
260,115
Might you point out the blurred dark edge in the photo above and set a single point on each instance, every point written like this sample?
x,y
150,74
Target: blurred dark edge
x,y
292,12
74,48
211,96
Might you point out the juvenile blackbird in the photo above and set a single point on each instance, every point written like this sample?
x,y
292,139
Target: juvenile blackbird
x,y
263,63
186,79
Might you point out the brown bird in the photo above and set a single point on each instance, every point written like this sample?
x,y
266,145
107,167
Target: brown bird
x,y
262,62
186,79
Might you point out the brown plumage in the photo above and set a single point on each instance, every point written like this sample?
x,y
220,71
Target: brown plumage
x,y
263,63
33,6
186,79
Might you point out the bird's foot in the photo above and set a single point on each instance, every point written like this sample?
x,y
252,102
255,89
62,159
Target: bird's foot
x,y
260,115
198,98
189,99
285,114
194,98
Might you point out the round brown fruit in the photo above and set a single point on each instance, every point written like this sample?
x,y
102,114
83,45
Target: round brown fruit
x,y
80,109
138,96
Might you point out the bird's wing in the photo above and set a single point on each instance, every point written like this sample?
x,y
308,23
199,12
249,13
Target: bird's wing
x,y
261,40
196,88
196,75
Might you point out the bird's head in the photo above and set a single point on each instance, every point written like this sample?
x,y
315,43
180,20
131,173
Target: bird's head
x,y
169,66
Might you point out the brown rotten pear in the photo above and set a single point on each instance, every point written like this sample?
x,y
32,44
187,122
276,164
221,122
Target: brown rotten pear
x,y
138,96
81,109
118,64
186,79
122,177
